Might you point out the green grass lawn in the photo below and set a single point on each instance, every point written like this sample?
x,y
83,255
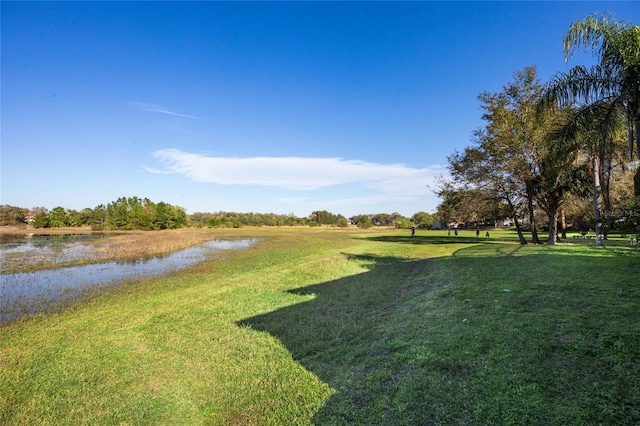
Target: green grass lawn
x,y
342,327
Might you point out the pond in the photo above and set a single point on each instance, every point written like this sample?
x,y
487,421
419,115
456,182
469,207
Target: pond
x,y
42,291
50,248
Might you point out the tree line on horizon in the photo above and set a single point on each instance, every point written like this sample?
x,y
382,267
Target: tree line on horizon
x,y
126,213
558,154
135,213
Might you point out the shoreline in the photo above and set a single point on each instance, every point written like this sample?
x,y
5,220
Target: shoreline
x,y
28,229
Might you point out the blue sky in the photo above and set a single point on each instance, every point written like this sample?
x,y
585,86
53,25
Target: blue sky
x,y
259,107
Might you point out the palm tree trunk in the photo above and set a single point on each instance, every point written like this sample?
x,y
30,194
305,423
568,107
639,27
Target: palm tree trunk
x,y
636,121
636,177
596,199
606,166
553,227
523,240
532,221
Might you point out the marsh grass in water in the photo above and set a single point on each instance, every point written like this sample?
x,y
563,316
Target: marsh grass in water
x,y
116,246
337,327
51,290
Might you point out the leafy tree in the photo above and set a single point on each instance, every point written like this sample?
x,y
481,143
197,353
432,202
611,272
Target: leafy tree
x,y
517,160
400,221
200,219
98,217
163,218
118,214
83,217
180,218
627,217
342,221
292,220
324,217
504,161
10,215
58,217
516,126
559,174
214,222
471,207
506,151
364,221
423,220
75,218
40,217
231,221
447,210
136,213
381,219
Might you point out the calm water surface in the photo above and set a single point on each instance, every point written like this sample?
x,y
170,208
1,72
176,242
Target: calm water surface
x,y
30,292
54,248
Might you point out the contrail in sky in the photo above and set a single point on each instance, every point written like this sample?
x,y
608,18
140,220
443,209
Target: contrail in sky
x,y
143,106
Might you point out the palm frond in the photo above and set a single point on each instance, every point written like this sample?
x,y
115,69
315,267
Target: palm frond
x,y
582,86
594,32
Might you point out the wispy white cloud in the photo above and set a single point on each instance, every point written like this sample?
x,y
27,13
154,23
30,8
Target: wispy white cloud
x,y
143,106
157,171
299,173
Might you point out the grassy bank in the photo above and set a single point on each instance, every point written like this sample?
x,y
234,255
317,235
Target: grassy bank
x,y
342,327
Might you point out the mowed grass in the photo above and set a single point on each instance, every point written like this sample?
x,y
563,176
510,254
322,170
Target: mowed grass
x,y
344,327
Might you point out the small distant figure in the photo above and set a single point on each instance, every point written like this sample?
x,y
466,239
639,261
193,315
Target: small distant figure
x,y
455,232
477,232
413,231
486,235
448,232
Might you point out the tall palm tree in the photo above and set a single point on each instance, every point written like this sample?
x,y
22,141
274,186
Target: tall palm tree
x,y
589,131
614,82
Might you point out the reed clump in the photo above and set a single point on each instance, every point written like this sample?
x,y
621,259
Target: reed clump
x,y
148,243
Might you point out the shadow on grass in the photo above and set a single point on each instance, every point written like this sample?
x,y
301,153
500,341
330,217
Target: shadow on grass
x,y
435,341
429,239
